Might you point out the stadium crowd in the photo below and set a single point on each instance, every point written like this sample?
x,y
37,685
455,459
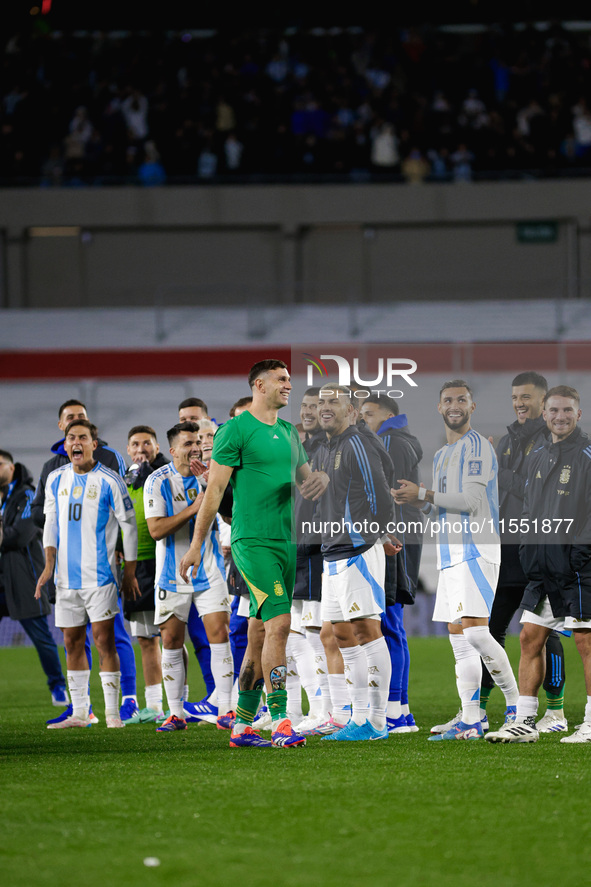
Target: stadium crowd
x,y
407,103
206,553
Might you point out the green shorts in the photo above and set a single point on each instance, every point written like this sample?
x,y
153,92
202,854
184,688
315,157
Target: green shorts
x,y
268,568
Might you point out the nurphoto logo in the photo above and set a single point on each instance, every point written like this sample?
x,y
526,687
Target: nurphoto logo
x,y
389,370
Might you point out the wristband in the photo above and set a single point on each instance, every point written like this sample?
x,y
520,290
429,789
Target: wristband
x,y
422,493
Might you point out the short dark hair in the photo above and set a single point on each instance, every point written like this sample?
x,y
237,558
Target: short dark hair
x,y
314,391
6,455
562,391
530,378
240,403
456,383
193,402
73,402
174,432
385,403
85,423
335,386
142,429
264,366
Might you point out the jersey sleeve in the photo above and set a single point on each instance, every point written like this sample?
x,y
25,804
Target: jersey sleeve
x,y
50,532
125,514
154,501
227,443
479,461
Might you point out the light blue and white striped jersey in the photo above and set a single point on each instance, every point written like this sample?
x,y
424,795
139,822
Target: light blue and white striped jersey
x,y
167,493
466,501
83,513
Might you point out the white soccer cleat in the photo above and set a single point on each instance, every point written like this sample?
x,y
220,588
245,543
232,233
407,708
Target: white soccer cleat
x,y
551,723
443,728
581,734
310,723
518,731
114,721
72,721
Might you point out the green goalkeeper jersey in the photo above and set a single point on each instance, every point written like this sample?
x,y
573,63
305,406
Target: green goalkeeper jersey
x,y
265,459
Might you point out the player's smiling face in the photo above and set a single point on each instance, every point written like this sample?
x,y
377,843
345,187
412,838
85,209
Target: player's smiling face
x,y
456,406
74,411
528,402
206,443
185,447
142,448
80,448
277,387
334,411
309,412
374,416
561,415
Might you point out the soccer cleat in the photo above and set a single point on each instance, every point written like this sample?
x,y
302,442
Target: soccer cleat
x,y
357,733
141,716
248,739
443,728
329,727
484,721
460,731
171,724
227,721
128,710
581,734
412,724
308,725
263,720
70,721
510,715
518,731
114,722
200,711
285,736
397,725
551,723
59,697
69,711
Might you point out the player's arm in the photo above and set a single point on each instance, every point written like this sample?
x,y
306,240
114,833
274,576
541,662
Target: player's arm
x,y
50,537
219,478
160,527
22,532
311,484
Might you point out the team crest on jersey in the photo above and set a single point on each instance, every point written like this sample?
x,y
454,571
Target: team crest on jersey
x,y
77,492
564,475
337,460
192,494
529,448
474,467
92,493
278,588
150,503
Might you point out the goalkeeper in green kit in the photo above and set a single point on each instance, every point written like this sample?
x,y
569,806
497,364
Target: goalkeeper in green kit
x,y
261,456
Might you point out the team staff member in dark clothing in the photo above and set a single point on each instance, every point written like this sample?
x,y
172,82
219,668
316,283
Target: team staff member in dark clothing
x,y
402,570
352,517
21,563
556,558
514,453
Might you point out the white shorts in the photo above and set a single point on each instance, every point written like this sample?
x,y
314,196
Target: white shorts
x,y
243,607
353,588
142,625
466,589
178,603
75,607
296,616
544,616
311,614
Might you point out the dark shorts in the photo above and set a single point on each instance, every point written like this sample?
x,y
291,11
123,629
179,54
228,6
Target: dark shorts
x,y
145,573
308,579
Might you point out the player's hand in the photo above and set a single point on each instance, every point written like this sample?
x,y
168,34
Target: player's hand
x,y
199,469
315,485
191,559
130,590
406,494
42,580
393,546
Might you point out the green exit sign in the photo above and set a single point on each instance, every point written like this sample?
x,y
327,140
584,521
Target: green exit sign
x,y
537,232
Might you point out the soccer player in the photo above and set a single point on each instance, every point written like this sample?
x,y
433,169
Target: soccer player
x,y
85,505
357,500
145,455
172,498
464,499
402,570
261,456
192,409
556,557
515,451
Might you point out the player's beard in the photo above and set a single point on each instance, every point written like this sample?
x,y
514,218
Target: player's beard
x,y
456,424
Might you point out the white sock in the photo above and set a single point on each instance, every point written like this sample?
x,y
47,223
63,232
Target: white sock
x,y
495,659
78,687
356,676
293,685
185,692
468,676
587,717
304,657
405,709
379,672
340,698
527,707
234,699
322,699
222,669
154,697
173,674
111,681
393,709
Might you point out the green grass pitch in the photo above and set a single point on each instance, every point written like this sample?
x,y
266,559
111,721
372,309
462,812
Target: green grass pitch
x,y
87,807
